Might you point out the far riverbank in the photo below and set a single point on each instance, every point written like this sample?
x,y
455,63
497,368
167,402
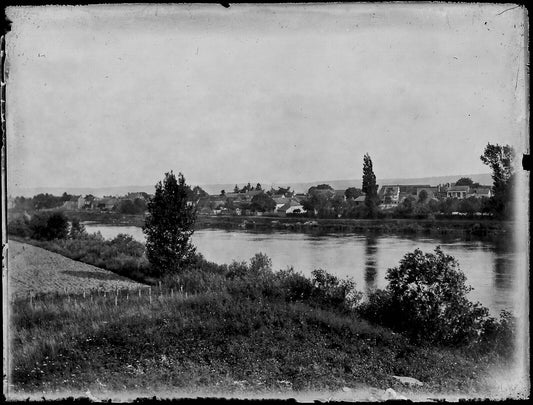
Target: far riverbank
x,y
458,227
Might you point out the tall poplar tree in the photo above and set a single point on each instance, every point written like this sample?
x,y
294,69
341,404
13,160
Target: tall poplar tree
x,y
169,225
500,160
370,187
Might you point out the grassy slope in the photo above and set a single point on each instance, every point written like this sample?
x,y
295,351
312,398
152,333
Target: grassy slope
x,y
216,343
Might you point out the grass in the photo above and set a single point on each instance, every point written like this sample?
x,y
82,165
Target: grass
x,y
213,342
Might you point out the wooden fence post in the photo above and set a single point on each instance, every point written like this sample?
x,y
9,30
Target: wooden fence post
x,y
150,293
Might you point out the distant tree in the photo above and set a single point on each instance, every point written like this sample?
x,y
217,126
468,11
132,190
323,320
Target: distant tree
x,y
470,205
464,181
338,204
422,196
285,191
406,206
24,204
318,202
262,202
370,187
199,192
140,205
258,187
236,189
47,201
169,225
77,229
449,205
222,192
127,207
352,193
500,160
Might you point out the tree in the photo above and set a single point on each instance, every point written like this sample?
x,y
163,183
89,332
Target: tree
x,y
127,207
464,181
77,229
422,196
169,225
199,192
319,187
236,189
49,226
223,193
470,205
352,193
370,187
500,160
405,207
262,202
258,187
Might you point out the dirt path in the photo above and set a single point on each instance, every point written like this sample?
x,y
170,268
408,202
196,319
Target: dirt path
x,y
31,268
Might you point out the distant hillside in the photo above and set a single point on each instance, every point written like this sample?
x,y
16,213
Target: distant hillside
x,y
484,178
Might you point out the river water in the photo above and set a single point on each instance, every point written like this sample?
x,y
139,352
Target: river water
x,y
490,265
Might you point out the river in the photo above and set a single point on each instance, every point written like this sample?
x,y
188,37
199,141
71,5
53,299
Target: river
x,y
490,265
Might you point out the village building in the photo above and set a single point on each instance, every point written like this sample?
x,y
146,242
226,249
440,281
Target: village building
x,y
459,192
480,192
360,200
106,203
291,207
389,195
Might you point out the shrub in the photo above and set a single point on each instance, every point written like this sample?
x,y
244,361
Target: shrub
x,y
19,227
426,300
295,286
330,291
499,336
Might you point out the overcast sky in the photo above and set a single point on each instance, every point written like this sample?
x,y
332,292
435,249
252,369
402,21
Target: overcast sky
x,y
117,95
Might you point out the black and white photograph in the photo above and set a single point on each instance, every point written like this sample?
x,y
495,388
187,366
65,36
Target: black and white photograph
x,y
309,201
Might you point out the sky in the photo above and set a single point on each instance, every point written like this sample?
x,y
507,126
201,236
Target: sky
x,y
115,95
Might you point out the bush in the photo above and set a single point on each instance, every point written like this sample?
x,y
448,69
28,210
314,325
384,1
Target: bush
x,y
499,336
330,291
295,285
19,227
426,300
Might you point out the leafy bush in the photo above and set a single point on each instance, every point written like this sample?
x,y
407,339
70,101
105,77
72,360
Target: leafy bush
x,y
257,281
296,286
426,300
499,335
330,291
19,227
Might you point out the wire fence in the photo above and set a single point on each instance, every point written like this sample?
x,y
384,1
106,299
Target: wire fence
x,y
104,296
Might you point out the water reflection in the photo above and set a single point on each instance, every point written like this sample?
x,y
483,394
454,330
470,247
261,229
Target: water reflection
x,y
371,260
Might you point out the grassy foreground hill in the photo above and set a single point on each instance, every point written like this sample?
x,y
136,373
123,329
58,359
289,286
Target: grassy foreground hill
x,y
214,343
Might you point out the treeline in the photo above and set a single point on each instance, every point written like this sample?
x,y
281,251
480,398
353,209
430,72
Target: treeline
x,y
41,201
